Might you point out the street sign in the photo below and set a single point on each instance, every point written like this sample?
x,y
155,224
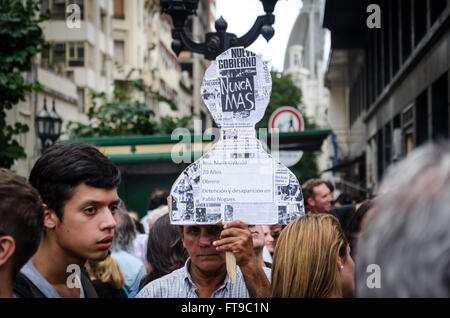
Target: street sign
x,y
287,119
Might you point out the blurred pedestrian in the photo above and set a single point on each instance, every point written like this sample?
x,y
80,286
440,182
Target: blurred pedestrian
x,y
344,199
132,268
258,244
138,246
78,187
405,239
107,278
21,227
269,239
158,199
269,246
352,231
312,260
317,196
165,250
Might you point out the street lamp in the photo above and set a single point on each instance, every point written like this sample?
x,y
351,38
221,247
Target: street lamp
x,y
219,41
48,125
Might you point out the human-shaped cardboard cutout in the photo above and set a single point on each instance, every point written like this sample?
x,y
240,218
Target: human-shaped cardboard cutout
x,y
236,179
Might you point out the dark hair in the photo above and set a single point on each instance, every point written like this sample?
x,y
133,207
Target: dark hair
x,y
165,250
158,198
344,199
139,226
62,167
354,224
21,216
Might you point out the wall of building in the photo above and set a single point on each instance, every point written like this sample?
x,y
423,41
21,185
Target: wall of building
x,y
399,91
54,87
304,61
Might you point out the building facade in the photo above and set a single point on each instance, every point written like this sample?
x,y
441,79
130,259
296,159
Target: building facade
x,y
389,75
84,52
304,59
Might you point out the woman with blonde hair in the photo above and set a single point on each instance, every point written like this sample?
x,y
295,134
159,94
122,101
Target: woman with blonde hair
x,y
107,278
312,260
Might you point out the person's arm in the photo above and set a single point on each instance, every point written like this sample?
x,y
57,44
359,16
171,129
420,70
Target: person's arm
x,y
237,238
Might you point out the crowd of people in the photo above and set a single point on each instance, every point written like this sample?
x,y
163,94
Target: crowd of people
x,y
66,233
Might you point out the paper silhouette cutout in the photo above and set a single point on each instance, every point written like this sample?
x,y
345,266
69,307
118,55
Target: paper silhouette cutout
x,y
236,179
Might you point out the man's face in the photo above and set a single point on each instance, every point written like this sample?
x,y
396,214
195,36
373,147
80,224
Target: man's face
x,y
198,239
87,225
321,200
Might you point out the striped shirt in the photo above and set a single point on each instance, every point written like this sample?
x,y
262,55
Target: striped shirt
x,y
179,284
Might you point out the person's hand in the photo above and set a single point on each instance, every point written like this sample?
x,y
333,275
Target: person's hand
x,y
237,238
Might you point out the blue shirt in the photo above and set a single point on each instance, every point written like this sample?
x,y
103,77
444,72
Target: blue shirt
x,y
179,284
132,268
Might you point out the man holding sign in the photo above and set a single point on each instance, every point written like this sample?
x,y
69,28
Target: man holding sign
x,y
235,181
205,275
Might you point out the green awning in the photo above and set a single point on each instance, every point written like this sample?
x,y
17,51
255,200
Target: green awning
x,y
158,148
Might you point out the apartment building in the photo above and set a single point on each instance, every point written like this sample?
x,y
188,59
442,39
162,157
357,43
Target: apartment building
x,y
81,53
77,61
195,64
142,40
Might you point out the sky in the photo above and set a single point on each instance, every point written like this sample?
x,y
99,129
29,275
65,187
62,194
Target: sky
x,y
241,14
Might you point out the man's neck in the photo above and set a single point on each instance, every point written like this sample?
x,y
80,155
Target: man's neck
x,y
312,210
5,292
52,262
6,289
207,282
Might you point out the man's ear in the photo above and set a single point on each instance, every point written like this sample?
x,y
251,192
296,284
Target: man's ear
x,y
311,201
50,218
7,248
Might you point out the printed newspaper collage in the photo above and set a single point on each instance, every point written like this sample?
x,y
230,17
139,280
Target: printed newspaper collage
x,y
236,179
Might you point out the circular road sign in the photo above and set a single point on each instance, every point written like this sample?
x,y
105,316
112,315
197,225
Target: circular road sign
x,y
287,119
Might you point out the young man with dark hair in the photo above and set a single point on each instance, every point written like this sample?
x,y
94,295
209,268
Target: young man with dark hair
x,y
78,187
21,226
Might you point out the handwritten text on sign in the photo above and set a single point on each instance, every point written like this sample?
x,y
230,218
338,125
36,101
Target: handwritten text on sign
x,y
237,94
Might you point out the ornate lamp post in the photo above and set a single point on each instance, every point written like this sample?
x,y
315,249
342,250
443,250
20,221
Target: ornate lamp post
x,y
48,125
219,41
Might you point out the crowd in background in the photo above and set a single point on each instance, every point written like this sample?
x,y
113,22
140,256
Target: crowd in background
x,y
69,213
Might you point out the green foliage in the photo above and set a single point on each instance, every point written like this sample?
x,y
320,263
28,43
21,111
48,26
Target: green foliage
x,y
169,124
124,116
21,38
285,93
